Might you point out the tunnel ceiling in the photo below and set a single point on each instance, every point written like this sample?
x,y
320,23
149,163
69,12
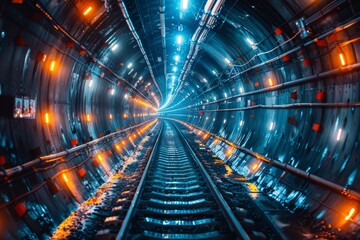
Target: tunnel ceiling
x,y
181,50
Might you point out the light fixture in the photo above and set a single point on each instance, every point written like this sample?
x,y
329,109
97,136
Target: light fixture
x,y
272,126
227,60
271,83
213,71
339,134
184,4
351,213
342,59
112,91
114,47
46,118
251,42
90,83
87,11
177,58
52,66
175,69
65,178
129,65
179,40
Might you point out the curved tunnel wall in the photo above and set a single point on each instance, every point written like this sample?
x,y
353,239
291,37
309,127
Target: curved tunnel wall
x,y
74,105
306,69
294,118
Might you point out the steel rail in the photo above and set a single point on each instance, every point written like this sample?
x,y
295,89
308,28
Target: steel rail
x,y
132,209
225,208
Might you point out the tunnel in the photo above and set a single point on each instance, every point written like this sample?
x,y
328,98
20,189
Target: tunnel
x,y
179,119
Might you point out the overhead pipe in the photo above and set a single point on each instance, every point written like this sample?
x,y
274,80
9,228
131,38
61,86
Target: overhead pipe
x,y
285,85
193,45
58,27
163,41
207,21
296,82
195,42
281,106
342,190
18,169
138,40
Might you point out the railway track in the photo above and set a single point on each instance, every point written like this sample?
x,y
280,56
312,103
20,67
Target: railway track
x,y
176,198
177,189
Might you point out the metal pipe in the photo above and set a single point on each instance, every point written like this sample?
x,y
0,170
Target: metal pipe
x,y
281,86
281,106
197,39
18,169
301,173
138,40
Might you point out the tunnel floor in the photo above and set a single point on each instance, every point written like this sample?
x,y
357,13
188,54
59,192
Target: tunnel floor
x,y
161,193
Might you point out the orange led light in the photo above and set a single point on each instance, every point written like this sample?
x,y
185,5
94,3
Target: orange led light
x,y
88,118
52,66
229,151
110,116
87,11
100,157
255,167
117,147
46,118
342,59
123,142
205,136
271,83
351,213
65,178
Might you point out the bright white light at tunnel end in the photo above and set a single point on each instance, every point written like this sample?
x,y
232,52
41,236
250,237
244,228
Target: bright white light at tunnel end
x,y
179,39
184,4
177,58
